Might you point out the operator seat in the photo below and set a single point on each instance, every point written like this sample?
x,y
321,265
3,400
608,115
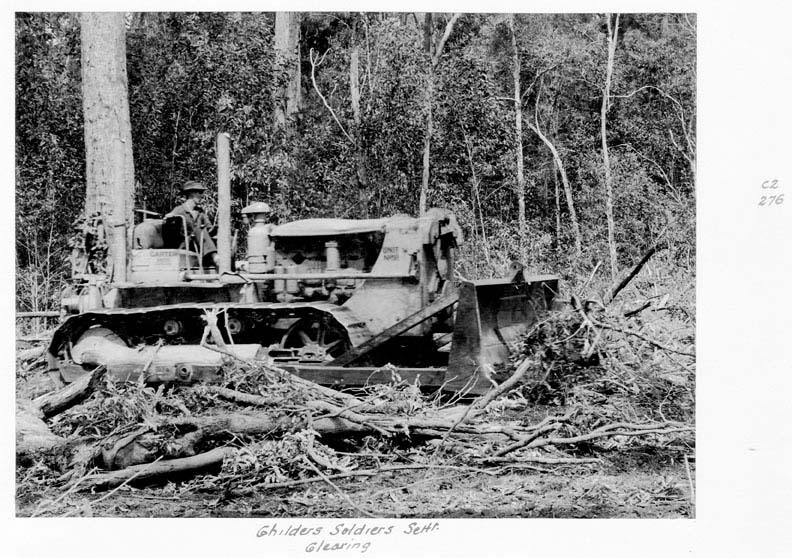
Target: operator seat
x,y
148,234
174,232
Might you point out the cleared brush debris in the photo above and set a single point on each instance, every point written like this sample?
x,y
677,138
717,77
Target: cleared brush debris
x,y
586,384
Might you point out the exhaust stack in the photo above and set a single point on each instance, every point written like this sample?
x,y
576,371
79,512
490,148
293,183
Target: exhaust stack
x,y
223,204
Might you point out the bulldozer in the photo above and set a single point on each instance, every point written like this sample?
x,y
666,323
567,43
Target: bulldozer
x,y
340,302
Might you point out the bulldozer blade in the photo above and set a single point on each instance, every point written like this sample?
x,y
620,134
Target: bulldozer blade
x,y
491,318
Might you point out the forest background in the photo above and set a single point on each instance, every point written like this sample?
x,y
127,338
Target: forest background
x,y
742,507
564,140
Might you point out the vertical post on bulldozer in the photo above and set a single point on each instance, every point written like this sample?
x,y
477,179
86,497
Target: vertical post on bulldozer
x,y
119,249
223,204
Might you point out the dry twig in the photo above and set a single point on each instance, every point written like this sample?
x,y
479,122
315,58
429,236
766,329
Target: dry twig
x,y
343,494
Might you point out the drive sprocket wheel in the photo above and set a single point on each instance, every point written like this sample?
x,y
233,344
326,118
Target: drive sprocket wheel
x,y
318,339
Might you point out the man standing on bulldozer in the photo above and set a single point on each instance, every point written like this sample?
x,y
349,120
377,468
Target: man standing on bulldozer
x,y
197,224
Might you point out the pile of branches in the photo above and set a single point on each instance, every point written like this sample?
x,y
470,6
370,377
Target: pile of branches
x,y
608,364
590,379
266,427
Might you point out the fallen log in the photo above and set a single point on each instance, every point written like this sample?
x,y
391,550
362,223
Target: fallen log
x,y
340,421
145,444
149,471
252,424
346,413
354,421
53,403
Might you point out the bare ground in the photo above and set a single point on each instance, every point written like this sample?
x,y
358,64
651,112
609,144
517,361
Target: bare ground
x,y
634,484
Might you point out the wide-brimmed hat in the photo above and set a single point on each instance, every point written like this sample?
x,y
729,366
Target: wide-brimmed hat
x,y
192,186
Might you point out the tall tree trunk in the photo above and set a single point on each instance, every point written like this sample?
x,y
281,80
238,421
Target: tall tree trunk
x,y
613,32
567,190
354,82
520,186
428,41
433,52
428,33
557,208
360,151
564,179
477,199
287,67
427,148
109,167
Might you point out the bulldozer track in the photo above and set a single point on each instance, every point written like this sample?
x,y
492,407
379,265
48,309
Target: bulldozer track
x,y
74,326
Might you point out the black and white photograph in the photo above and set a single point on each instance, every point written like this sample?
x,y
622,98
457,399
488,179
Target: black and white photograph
x,y
355,265
397,282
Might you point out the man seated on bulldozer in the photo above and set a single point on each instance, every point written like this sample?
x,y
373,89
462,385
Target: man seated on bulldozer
x,y
197,225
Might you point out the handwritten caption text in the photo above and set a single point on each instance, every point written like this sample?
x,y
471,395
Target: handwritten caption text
x,y
344,536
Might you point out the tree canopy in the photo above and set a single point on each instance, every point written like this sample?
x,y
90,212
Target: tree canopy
x,y
357,151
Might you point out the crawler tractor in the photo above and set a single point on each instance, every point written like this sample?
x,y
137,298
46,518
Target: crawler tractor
x,y
331,300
